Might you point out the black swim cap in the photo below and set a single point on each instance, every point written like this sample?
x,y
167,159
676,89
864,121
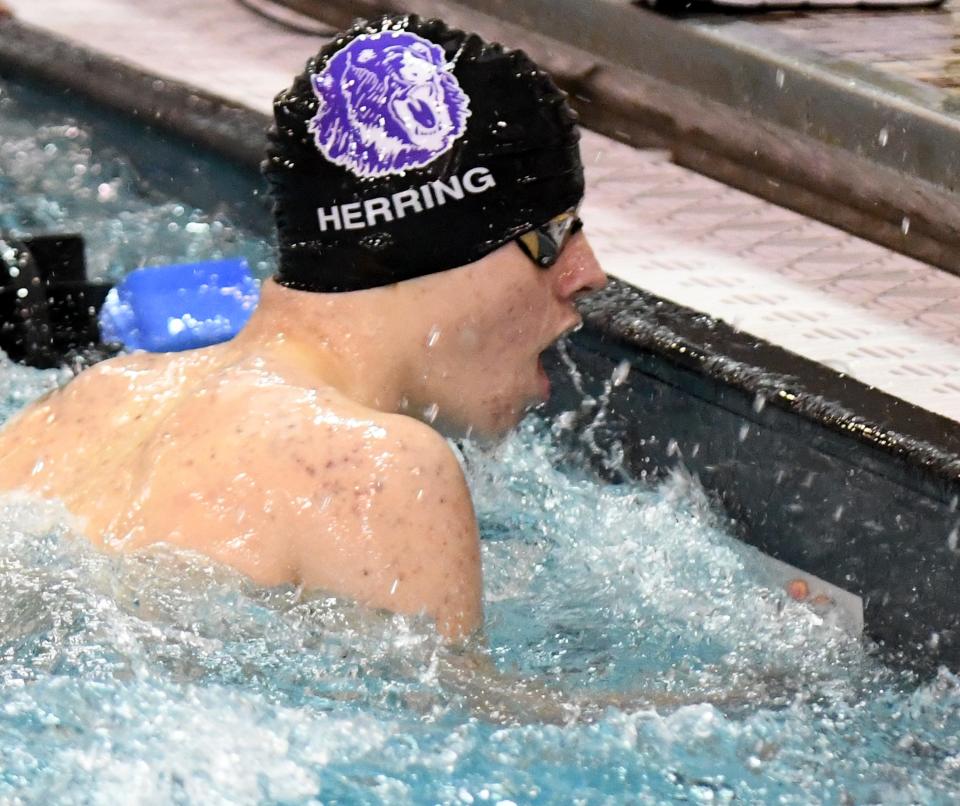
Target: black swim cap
x,y
407,148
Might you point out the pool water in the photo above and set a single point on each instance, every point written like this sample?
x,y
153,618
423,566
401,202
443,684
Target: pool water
x,y
59,176
158,677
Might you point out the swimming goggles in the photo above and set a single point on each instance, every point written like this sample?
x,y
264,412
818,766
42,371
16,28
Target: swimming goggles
x,y
543,245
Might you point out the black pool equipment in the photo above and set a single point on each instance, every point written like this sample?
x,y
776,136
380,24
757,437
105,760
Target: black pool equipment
x,y
51,315
48,307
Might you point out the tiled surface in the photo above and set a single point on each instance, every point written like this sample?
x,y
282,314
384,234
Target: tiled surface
x,y
922,44
885,319
217,44
861,309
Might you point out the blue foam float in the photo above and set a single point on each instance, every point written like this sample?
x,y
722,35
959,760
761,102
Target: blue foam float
x,y
164,309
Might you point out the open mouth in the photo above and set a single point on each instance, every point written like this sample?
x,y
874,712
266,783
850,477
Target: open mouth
x,y
543,380
572,327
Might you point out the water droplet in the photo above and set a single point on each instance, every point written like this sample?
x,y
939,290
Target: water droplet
x,y
905,225
21,293
430,412
781,77
106,192
621,372
883,136
433,336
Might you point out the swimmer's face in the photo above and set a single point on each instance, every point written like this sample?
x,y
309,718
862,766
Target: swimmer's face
x,y
483,370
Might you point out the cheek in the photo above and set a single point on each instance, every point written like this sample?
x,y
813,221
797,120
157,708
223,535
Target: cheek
x,y
525,319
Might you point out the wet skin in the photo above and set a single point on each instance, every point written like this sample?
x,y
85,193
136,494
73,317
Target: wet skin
x,y
310,449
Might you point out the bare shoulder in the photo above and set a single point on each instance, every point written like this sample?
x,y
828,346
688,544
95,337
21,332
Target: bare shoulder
x,y
305,422
378,508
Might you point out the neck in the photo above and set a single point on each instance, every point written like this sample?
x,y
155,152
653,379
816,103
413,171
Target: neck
x,y
355,342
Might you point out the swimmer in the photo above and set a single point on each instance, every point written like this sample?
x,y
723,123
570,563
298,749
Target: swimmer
x,y
425,188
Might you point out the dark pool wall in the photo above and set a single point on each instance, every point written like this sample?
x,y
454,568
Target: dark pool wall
x,y
877,517
840,480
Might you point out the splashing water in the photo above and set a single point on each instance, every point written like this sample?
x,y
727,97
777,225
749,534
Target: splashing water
x,y
158,677
56,177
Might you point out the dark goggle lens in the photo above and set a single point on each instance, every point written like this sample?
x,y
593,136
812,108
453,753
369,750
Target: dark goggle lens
x,y
543,245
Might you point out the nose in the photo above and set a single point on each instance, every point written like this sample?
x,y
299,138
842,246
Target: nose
x,y
577,272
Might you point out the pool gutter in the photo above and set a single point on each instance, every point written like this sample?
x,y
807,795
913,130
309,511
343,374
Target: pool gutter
x,y
845,482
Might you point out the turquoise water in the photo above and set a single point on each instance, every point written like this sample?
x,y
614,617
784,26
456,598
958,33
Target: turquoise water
x,y
59,176
158,677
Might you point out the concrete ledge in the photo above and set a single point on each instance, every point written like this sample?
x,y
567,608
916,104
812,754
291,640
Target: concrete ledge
x,y
189,113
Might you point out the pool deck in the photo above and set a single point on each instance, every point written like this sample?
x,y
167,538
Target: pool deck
x,y
918,44
878,316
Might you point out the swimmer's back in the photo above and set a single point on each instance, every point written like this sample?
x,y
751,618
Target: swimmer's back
x,y
238,461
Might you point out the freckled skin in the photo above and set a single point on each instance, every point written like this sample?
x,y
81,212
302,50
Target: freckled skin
x,y
293,453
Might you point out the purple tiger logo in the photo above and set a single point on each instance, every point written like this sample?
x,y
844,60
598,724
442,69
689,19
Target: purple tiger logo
x,y
387,103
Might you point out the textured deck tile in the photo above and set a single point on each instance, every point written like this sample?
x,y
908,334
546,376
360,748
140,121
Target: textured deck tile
x,y
921,44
